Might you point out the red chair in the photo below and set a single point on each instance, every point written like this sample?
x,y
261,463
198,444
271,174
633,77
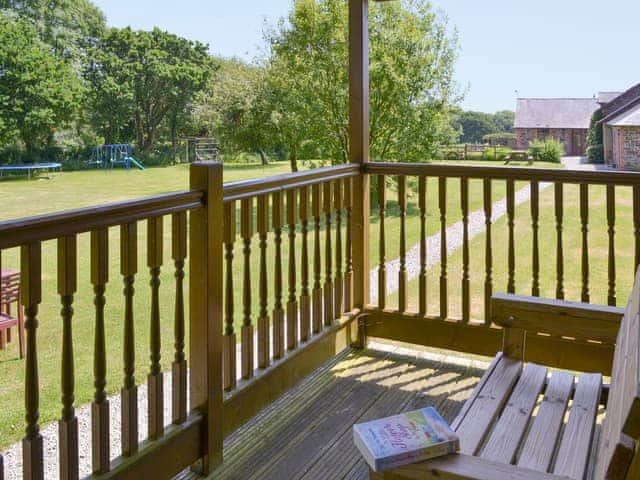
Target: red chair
x,y
10,295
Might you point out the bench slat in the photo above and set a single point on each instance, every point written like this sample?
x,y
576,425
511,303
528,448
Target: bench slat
x,y
542,438
573,454
509,430
487,403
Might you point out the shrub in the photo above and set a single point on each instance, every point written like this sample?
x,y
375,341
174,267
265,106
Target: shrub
x,y
499,153
503,138
595,154
549,150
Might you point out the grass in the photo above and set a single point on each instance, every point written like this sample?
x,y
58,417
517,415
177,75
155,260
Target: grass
x,y
78,189
572,249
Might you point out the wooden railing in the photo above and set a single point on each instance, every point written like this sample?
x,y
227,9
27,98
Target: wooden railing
x,y
477,334
311,210
274,279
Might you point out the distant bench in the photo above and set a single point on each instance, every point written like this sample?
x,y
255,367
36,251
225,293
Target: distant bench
x,y
518,156
30,168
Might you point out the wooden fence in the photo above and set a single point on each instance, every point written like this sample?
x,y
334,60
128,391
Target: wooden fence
x,y
226,376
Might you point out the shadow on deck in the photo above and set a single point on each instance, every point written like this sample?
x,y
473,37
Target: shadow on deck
x,y
306,434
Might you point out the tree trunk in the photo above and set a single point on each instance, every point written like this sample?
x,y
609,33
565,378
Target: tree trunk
x,y
293,159
263,157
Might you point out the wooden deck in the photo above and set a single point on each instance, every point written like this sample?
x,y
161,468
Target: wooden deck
x,y
307,434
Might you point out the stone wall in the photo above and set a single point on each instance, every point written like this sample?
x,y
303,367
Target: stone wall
x,y
524,136
631,147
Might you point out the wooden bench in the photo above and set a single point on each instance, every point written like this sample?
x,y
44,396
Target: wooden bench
x,y
518,156
501,439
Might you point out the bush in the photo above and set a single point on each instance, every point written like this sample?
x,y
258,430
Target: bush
x,y
549,150
595,154
504,138
493,154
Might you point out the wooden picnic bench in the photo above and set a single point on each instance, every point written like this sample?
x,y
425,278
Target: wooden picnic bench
x,y
499,436
518,156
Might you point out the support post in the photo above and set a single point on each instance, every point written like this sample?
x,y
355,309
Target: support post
x,y
359,147
205,312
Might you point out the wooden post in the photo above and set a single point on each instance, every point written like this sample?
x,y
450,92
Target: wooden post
x,y
359,146
205,302
179,365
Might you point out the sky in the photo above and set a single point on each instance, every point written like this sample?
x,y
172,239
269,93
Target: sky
x,y
508,48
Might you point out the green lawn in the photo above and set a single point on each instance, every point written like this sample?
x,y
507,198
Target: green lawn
x,y
78,189
572,243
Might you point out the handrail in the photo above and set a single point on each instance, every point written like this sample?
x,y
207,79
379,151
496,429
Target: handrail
x,y
617,178
290,181
38,228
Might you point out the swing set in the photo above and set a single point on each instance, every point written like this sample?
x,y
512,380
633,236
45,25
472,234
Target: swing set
x,y
112,155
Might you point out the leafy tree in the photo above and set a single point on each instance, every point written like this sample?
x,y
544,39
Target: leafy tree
x,y
504,121
69,27
412,86
473,125
234,110
38,92
141,79
595,147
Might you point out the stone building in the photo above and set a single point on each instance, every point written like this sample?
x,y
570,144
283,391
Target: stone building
x,y
621,129
565,119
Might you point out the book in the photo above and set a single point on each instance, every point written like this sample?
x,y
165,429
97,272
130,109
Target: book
x,y
405,438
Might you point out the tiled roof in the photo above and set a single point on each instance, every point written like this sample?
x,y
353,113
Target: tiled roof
x,y
630,118
606,97
554,112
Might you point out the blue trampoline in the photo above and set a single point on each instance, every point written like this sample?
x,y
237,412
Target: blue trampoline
x,y
31,167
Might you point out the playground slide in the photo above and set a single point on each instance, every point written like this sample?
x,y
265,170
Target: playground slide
x,y
136,163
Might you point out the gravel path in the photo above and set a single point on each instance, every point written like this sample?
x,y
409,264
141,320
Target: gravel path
x,y
13,456
454,241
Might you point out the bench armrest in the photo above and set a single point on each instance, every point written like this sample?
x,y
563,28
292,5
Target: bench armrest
x,y
461,467
557,317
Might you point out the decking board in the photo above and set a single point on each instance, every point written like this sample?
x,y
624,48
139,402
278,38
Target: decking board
x,y
314,438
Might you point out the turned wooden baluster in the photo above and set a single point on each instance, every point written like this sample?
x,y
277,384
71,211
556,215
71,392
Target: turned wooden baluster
x,y
559,208
155,395
611,225
511,210
464,201
179,366
31,296
68,424
488,250
305,299
292,301
328,283
382,267
535,226
129,392
229,338
402,272
584,223
339,279
317,297
278,311
442,204
348,272
264,345
246,231
100,405
636,224
422,205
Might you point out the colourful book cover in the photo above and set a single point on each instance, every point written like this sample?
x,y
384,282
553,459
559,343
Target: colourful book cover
x,y
405,438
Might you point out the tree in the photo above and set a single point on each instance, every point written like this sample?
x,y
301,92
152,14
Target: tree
x,y
141,79
504,121
412,86
38,92
69,27
473,125
233,108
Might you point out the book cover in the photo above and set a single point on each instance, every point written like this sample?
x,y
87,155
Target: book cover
x,y
405,438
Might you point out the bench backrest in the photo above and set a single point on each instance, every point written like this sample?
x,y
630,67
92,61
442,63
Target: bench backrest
x,y
618,455
9,289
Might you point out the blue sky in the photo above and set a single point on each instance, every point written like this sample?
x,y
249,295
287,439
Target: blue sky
x,y
546,48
